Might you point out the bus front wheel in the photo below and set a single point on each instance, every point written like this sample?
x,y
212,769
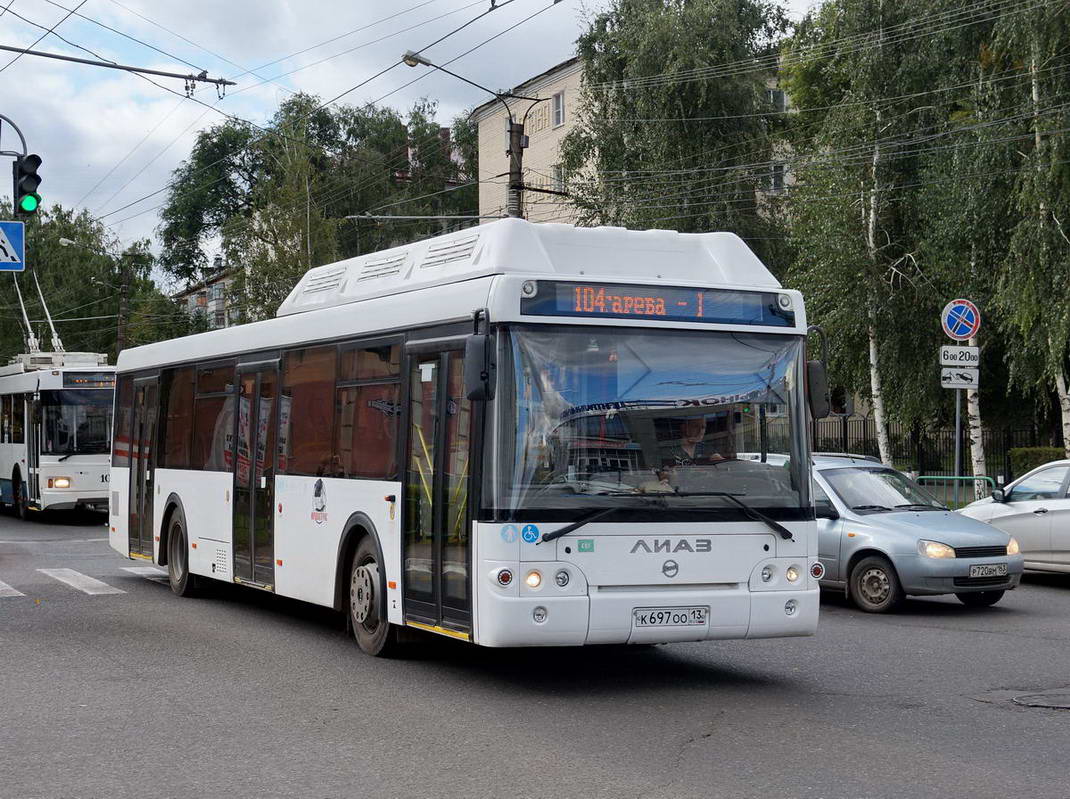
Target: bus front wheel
x,y
18,489
178,575
375,636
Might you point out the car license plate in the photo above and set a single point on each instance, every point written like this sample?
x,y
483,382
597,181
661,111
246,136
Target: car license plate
x,y
988,570
670,617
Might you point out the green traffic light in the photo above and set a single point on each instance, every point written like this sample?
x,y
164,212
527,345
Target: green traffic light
x,y
29,203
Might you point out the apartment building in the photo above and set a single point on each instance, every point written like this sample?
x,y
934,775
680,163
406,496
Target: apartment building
x,y
546,125
212,297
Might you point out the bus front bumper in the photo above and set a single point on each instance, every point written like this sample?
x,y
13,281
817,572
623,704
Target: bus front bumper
x,y
608,615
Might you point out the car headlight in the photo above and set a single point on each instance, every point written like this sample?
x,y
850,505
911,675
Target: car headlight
x,y
1012,546
934,549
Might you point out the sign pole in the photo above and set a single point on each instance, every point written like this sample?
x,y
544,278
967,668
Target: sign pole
x,y
958,440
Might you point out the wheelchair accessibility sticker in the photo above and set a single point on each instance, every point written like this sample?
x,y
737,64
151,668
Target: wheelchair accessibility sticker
x,y
530,533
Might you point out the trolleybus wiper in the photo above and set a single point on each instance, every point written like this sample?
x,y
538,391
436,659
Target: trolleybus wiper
x,y
576,525
752,513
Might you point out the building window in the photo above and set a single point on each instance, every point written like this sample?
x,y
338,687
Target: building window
x,y
220,319
777,99
558,179
776,178
559,109
217,291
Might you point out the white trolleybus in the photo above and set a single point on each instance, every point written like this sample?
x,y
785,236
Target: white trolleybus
x,y
514,435
55,431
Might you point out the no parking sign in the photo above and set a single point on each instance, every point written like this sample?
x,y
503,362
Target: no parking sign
x,y
961,320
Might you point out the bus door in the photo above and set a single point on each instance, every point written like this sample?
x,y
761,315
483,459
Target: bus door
x,y
142,460
437,548
257,422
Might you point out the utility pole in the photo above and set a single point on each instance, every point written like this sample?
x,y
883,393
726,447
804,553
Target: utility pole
x,y
124,304
515,202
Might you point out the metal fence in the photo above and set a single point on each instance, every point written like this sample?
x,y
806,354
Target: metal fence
x,y
923,450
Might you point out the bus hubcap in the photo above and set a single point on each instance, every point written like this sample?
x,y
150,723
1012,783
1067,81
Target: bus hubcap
x,y
874,586
362,592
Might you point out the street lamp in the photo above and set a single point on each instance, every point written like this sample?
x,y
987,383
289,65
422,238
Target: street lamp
x,y
517,140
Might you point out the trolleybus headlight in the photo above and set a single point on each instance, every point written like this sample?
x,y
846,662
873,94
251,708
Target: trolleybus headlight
x,y
790,607
59,482
534,579
767,573
539,614
1012,546
784,301
504,577
817,571
561,578
792,573
528,288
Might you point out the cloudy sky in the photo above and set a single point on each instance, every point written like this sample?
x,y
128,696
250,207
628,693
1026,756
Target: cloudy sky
x,y
109,138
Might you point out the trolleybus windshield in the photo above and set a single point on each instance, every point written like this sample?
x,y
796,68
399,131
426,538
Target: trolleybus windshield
x,y
76,421
620,416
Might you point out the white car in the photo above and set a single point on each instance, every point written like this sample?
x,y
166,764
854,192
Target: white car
x,y
1035,509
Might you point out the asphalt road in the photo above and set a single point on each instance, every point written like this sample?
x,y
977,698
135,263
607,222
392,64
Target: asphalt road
x,y
141,693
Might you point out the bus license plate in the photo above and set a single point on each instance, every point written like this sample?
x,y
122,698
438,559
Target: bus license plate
x,y
988,570
669,617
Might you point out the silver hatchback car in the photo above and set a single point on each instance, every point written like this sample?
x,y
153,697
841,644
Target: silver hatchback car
x,y
882,537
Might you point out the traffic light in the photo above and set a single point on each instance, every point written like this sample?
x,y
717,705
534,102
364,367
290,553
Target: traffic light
x,y
26,182
843,404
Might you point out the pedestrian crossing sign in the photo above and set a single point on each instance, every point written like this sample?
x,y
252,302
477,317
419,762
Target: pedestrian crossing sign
x,y
12,247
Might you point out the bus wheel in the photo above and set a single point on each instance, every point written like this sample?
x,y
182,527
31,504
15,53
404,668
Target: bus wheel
x,y
18,488
375,636
182,582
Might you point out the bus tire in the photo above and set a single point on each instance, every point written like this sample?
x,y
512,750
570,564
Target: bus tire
x,y
18,504
178,575
375,636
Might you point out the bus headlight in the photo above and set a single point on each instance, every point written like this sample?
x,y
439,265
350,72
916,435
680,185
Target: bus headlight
x,y
792,573
59,482
534,579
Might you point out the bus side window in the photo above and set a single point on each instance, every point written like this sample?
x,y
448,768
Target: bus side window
x,y
368,409
213,419
5,420
307,412
124,405
18,419
177,419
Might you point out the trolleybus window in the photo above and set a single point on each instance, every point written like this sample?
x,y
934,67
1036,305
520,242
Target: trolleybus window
x,y
18,419
76,422
631,418
124,405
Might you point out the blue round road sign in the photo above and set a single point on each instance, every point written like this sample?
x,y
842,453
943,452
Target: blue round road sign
x,y
961,320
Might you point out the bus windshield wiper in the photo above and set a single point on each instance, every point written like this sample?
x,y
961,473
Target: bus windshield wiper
x,y
751,513
576,525
64,457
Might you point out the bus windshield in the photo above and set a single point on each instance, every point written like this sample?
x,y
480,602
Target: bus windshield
x,y
623,417
76,421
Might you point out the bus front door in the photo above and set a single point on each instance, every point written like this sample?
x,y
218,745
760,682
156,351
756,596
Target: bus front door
x,y
438,552
142,457
254,475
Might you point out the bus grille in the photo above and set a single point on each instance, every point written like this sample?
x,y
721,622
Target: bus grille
x,y
381,267
446,252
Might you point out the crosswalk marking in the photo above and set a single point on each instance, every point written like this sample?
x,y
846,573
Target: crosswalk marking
x,y
81,582
148,572
7,590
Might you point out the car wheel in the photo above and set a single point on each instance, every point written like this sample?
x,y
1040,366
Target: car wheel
x,y
874,586
980,599
178,575
375,636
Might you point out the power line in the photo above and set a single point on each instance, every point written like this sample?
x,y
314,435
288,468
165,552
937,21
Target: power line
x,y
39,38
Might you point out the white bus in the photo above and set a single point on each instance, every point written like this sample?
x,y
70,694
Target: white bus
x,y
514,435
55,431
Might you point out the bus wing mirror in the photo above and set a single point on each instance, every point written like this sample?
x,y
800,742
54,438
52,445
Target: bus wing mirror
x,y
817,389
479,367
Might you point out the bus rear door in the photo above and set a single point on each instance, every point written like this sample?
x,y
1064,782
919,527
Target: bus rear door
x,y
254,474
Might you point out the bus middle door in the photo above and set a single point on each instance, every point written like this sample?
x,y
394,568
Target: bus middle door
x,y
257,422
142,457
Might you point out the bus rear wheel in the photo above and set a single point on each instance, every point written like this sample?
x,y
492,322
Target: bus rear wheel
x,y
18,504
375,635
178,575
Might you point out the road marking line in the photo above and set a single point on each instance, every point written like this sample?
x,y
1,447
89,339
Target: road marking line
x,y
7,590
149,573
81,582
53,541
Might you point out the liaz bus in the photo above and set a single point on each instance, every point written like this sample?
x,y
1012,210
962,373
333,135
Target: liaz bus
x,y
513,435
55,431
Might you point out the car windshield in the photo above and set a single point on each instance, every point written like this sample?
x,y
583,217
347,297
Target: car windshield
x,y
76,422
878,490
623,417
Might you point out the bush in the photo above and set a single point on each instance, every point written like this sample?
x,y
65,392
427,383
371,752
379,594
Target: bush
x,y
1025,459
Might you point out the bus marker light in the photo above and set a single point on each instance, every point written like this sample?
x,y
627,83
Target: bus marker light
x,y
539,614
534,579
392,584
194,545
504,577
791,606
817,571
792,573
278,562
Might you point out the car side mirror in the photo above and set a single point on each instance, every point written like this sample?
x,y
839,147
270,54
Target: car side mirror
x,y
999,495
479,367
825,510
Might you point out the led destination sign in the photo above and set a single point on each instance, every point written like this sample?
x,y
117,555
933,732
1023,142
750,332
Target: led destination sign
x,y
88,380
668,304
